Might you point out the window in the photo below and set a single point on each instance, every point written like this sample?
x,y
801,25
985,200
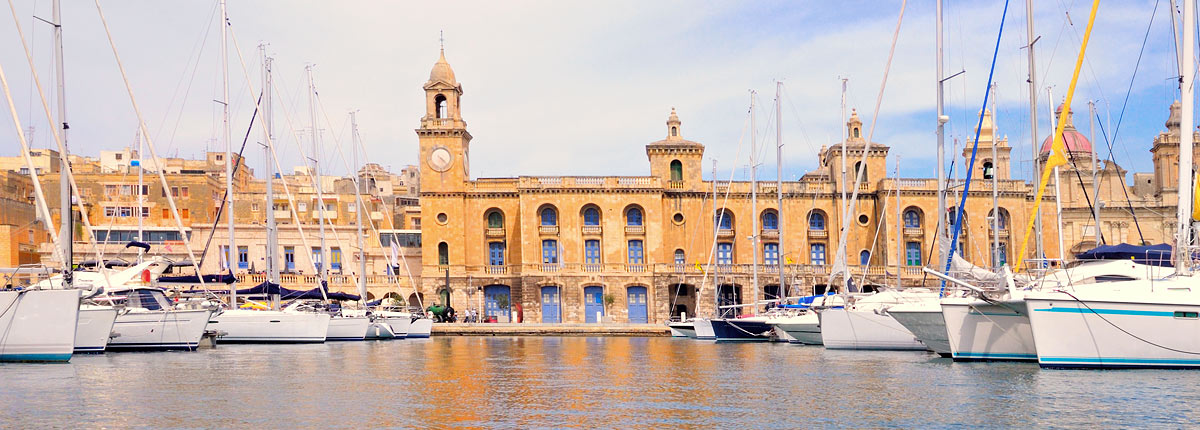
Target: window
x,y
679,258
724,220
335,258
912,219
633,216
289,258
174,191
302,206
243,256
109,190
864,258
145,212
912,253
220,157
858,169
591,251
591,216
550,251
145,190
549,216
496,253
110,211
676,167
771,254
443,254
495,220
674,131
857,132
1001,254
988,170
124,211
724,253
224,257
1003,220
816,254
183,213
770,220
316,259
440,104
816,220
119,155
254,207
635,252
183,192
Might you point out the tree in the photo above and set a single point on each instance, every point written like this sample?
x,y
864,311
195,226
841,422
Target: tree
x,y
609,299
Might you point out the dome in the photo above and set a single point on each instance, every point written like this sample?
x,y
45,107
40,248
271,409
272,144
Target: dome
x,y
442,72
1073,140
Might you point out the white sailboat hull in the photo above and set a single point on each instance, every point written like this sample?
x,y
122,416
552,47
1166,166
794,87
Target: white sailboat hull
x,y
925,322
159,329
1153,329
851,329
398,321
421,328
704,330
682,329
379,330
978,330
347,328
805,329
94,328
38,325
254,326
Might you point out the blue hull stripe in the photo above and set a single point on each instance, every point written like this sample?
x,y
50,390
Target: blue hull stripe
x,y
418,336
995,356
1108,311
1116,361
35,357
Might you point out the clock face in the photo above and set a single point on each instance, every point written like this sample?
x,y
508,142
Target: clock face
x,y
440,159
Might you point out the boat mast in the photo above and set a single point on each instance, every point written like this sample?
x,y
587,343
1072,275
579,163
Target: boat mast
x,y
362,261
713,259
754,233
66,216
268,134
899,225
1182,229
941,141
783,292
141,196
995,190
1095,178
231,252
1062,254
1033,141
842,246
316,160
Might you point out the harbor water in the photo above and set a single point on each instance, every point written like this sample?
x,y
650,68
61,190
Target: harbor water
x,y
615,382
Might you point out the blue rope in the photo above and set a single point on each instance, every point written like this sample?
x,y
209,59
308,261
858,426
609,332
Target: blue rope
x,y
974,149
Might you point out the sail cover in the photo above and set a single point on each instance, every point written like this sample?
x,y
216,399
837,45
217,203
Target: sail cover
x,y
1153,255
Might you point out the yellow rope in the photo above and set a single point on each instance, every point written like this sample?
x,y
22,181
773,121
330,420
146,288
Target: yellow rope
x,y
1057,155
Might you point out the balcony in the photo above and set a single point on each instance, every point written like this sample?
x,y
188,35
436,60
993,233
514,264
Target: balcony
x,y
1003,233
548,230
770,234
725,233
818,234
914,231
635,268
496,270
593,267
494,232
592,230
551,267
675,185
635,230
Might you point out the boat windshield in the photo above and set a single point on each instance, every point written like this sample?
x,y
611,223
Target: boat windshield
x,y
148,299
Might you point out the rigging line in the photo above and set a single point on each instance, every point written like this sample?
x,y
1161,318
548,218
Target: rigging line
x,y
198,50
958,221
221,209
937,227
1124,189
1079,177
796,115
850,207
1127,331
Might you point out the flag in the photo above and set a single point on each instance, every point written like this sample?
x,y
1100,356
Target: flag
x,y
698,267
788,260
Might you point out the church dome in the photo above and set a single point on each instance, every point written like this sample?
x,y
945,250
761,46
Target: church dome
x,y
1073,140
442,72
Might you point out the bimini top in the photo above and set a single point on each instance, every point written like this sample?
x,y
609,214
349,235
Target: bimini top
x,y
1152,255
288,294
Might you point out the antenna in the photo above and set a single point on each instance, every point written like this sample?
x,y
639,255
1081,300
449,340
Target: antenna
x,y
441,41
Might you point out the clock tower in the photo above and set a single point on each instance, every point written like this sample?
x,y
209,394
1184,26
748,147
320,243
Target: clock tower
x,y
443,134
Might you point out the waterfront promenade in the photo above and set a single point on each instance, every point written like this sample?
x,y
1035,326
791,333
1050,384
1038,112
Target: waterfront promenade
x,y
538,329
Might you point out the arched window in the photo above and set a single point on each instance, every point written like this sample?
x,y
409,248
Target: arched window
x,y
816,220
633,216
495,219
724,220
440,102
770,220
859,168
443,254
676,169
856,133
989,171
864,257
1002,221
674,131
591,216
549,216
912,219
679,258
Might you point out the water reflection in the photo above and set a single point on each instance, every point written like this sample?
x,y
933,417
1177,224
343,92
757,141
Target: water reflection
x,y
576,382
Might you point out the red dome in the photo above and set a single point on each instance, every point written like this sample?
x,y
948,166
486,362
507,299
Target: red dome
x,y
1073,140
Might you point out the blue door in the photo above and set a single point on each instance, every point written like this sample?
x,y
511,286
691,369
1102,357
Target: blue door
x,y
637,305
593,303
493,297
496,253
550,302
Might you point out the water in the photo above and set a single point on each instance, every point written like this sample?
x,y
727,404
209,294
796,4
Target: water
x,y
523,382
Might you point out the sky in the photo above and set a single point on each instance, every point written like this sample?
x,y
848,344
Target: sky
x,y
574,88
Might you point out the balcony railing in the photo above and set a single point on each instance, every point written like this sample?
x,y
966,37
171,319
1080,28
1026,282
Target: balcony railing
x,y
549,230
635,268
675,185
770,234
635,229
725,233
818,234
1003,233
496,270
914,231
495,232
592,230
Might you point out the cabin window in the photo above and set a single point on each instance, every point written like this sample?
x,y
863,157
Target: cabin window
x,y
1187,314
